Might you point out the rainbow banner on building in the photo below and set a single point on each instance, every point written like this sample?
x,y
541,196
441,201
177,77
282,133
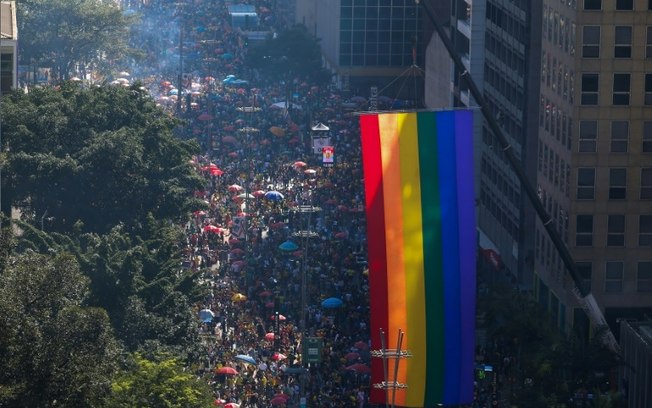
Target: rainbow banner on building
x,y
421,235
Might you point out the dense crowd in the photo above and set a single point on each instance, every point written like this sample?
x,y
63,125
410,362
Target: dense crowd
x,y
260,171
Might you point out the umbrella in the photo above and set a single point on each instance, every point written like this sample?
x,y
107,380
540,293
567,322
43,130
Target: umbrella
x,y
199,213
258,193
206,315
274,196
277,225
226,371
237,251
246,196
227,56
277,131
332,303
310,172
352,356
234,241
205,116
245,359
361,345
238,297
281,395
288,246
231,405
359,368
234,188
269,336
269,305
278,356
265,293
229,139
342,234
280,317
299,164
278,401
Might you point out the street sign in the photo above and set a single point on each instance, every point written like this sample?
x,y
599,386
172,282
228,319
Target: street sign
x,y
312,348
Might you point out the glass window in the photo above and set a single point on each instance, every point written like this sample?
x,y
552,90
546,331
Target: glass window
x,y
621,89
616,230
646,183
619,136
613,276
590,89
645,230
585,270
591,41
648,89
648,42
647,137
644,276
584,230
592,4
624,4
623,42
588,136
585,183
617,183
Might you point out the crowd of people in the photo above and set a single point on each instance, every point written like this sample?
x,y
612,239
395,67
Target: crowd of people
x,y
281,231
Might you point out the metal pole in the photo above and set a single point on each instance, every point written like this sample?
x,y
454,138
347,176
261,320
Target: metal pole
x,y
515,164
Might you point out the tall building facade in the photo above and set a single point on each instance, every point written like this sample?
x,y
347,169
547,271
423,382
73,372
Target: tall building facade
x,y
570,82
364,42
8,46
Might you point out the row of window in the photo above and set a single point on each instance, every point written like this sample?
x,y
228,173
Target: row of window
x,y
497,208
620,5
508,22
556,211
621,89
557,76
586,182
614,274
555,121
615,236
619,136
554,168
622,45
558,30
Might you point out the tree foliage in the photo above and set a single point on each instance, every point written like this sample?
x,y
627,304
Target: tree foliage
x,y
94,158
159,383
293,53
62,34
54,350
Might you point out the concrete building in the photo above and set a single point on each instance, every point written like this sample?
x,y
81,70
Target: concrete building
x,y
8,46
571,85
635,376
365,43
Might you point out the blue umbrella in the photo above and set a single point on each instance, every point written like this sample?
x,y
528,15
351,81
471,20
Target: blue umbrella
x,y
245,358
274,196
288,246
331,303
206,315
227,56
174,91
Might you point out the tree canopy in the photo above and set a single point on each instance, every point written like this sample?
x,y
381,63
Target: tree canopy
x,y
63,34
94,158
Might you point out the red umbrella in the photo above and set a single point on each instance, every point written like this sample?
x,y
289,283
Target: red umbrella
x,y
211,228
265,293
199,213
278,356
226,371
242,214
234,188
352,356
280,317
278,401
359,368
269,336
299,164
237,251
269,305
233,154
361,345
258,193
281,395
231,405
234,241
205,116
229,139
342,234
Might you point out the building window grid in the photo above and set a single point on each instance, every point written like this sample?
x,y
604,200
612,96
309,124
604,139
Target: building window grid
x,y
615,230
585,183
623,42
613,276
624,4
646,183
619,136
646,143
617,183
648,90
645,230
648,42
644,276
591,42
590,88
584,230
621,89
588,136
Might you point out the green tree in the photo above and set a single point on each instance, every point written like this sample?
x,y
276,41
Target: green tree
x,y
54,350
159,383
94,158
293,53
65,34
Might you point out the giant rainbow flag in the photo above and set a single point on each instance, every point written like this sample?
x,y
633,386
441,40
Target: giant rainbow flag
x,y
421,235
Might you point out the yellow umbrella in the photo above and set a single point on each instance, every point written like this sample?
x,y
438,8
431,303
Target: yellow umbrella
x,y
277,131
238,297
